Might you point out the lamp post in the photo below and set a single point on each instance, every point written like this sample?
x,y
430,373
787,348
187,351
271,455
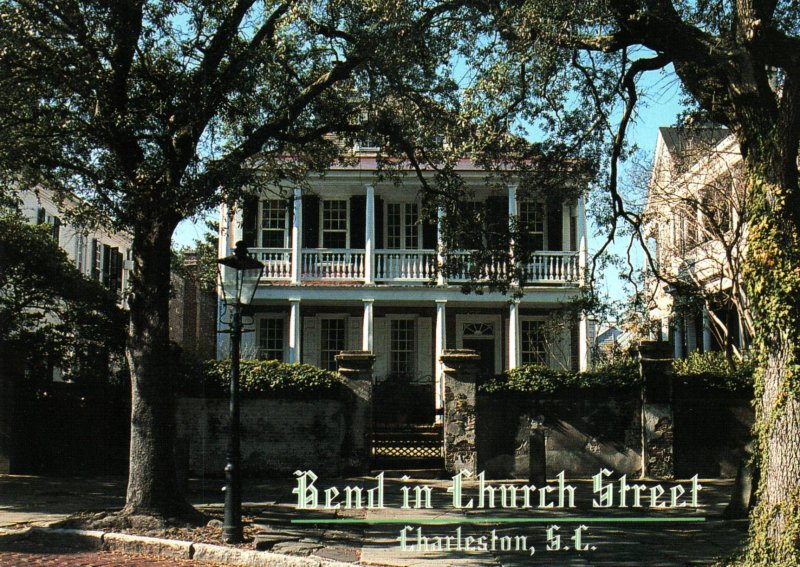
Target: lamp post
x,y
239,275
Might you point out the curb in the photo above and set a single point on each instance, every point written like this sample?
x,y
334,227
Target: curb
x,y
165,548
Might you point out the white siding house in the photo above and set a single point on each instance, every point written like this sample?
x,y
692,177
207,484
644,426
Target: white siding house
x,y
350,265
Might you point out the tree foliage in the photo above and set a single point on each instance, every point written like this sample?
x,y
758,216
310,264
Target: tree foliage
x,y
50,314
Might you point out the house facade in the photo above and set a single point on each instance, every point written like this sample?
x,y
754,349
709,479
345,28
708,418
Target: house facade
x,y
697,234
98,254
351,265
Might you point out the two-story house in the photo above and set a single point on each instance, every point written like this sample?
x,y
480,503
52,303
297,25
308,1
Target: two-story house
x,y
351,265
99,254
696,227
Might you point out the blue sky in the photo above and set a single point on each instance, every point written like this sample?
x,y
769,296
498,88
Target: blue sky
x,y
659,105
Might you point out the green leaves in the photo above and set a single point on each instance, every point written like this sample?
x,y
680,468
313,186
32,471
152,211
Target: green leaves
x,y
261,378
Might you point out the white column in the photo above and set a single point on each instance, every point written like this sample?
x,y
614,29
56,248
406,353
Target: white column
x,y
439,346
583,343
440,279
294,330
513,335
369,241
582,244
367,326
297,234
707,344
512,212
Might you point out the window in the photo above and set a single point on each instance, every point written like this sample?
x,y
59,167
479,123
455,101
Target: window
x,y
332,333
334,224
532,218
80,248
401,357
402,226
534,342
270,338
273,224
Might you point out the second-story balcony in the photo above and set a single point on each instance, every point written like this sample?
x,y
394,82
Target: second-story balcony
x,y
407,266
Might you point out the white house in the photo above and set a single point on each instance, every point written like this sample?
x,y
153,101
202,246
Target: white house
x,y
99,254
698,238
350,266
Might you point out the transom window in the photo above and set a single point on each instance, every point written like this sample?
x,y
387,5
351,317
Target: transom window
x,y
270,338
332,334
532,217
402,347
273,224
334,224
534,342
402,226
478,330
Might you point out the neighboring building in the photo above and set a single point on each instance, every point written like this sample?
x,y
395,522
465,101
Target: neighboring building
x,y
98,254
193,312
697,235
350,266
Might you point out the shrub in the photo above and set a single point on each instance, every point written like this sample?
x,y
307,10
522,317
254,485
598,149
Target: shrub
x,y
262,378
712,370
616,374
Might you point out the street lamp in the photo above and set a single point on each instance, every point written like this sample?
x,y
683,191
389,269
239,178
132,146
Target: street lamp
x,y
239,279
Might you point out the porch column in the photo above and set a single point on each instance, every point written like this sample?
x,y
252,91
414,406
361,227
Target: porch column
x,y
294,330
297,234
369,241
583,342
707,344
439,346
512,213
440,279
367,327
566,227
513,335
582,244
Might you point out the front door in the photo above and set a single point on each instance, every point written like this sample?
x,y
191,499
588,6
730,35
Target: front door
x,y
484,346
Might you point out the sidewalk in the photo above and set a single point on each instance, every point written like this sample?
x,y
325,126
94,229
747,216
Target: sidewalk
x,y
497,536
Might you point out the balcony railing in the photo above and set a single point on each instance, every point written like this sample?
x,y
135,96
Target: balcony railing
x,y
350,265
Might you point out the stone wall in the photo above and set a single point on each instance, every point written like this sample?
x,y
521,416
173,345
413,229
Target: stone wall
x,y
278,436
584,434
581,435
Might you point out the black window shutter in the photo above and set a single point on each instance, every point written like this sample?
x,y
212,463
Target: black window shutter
x,y
249,220
378,223
41,215
106,265
555,223
56,228
358,221
429,234
117,273
95,250
497,221
310,221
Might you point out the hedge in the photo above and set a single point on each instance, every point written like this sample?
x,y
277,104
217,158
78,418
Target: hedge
x,y
706,371
259,378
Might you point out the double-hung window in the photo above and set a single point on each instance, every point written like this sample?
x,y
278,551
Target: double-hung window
x,y
532,218
273,224
534,342
333,336
402,226
270,338
402,347
334,224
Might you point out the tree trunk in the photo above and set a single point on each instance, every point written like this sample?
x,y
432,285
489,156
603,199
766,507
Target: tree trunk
x,y
772,277
153,487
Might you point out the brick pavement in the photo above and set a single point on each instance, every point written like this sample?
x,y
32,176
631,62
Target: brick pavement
x,y
25,553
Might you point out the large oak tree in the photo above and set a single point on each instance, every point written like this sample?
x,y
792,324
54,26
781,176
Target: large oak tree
x,y
738,62
152,110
